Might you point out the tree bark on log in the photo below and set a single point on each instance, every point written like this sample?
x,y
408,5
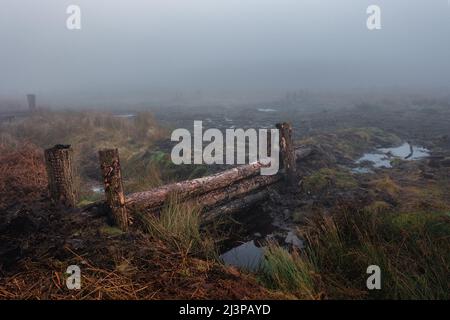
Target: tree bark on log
x,y
246,186
60,172
222,187
236,205
115,198
302,153
156,197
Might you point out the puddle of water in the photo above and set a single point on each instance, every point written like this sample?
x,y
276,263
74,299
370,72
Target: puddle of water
x,y
405,150
97,189
293,240
361,170
246,256
129,115
379,160
266,110
382,157
249,256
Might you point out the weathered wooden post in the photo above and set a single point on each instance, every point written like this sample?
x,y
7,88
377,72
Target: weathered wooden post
x,y
112,177
60,172
31,98
287,152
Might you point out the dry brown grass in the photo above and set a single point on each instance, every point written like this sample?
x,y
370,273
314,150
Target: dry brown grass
x,y
87,132
152,272
47,128
36,247
23,176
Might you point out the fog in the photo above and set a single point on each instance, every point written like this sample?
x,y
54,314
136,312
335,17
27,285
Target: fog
x,y
134,49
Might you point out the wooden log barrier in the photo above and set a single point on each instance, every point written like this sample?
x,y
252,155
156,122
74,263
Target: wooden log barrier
x,y
236,190
236,205
60,172
154,198
112,177
230,190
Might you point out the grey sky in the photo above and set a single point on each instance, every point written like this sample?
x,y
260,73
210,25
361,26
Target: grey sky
x,y
132,45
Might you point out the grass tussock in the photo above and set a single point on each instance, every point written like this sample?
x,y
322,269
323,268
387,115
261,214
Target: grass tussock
x,y
145,172
288,272
412,250
386,185
178,225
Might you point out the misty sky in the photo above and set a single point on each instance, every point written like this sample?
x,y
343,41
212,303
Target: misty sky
x,y
131,45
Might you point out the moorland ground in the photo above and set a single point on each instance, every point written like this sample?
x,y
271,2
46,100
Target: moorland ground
x,y
397,218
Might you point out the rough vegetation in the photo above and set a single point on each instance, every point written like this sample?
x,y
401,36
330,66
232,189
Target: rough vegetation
x,y
169,258
413,250
23,176
397,219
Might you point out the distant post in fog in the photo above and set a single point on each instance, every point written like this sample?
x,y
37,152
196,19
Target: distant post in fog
x,y
31,102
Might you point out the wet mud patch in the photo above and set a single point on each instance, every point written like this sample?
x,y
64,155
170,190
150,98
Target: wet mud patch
x,y
252,232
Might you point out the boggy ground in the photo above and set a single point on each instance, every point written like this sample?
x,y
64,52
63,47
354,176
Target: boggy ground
x,y
40,240
326,181
407,207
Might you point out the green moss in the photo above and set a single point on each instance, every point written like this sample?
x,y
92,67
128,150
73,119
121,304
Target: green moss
x,y
110,231
396,162
89,197
84,203
360,139
326,177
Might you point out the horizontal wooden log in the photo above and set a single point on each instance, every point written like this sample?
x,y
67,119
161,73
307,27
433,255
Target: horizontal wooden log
x,y
303,152
238,189
190,188
237,205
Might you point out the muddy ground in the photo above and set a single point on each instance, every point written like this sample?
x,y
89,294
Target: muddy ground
x,y
39,240
341,133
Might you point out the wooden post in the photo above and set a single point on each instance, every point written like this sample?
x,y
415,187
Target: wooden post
x,y
59,164
115,198
31,102
287,152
